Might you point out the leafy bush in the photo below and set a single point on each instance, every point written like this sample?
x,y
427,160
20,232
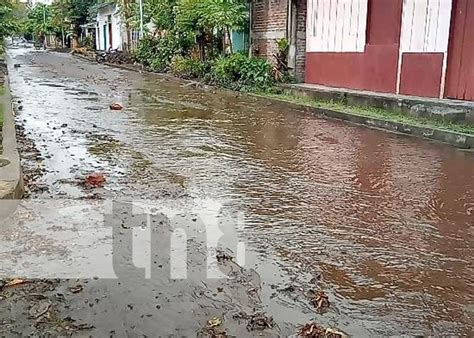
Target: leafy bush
x,y
158,52
147,49
187,68
240,72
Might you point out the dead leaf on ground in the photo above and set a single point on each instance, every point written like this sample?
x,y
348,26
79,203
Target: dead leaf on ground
x,y
116,106
95,180
216,321
223,256
313,330
15,282
321,301
259,321
39,309
76,289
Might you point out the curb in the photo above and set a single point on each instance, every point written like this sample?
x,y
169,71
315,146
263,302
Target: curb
x,y
462,111
459,140
11,175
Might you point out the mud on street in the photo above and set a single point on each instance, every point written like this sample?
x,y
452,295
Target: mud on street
x,y
357,230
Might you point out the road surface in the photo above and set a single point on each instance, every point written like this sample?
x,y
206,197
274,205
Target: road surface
x,y
381,223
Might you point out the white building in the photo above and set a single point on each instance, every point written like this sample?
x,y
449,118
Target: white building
x,y
33,3
110,27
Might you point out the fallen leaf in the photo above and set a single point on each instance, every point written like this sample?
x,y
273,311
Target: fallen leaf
x,y
313,330
76,289
216,321
259,321
320,301
116,106
95,180
15,282
39,309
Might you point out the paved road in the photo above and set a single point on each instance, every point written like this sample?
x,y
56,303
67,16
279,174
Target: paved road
x,y
381,223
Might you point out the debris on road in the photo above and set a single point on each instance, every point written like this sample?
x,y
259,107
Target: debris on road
x,y
313,330
39,309
79,51
222,256
216,321
15,282
320,300
212,329
259,321
69,324
116,106
76,289
94,180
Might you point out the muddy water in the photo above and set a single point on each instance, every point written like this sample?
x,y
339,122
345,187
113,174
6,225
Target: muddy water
x,y
384,221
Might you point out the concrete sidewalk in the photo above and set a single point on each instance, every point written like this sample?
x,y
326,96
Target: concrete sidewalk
x,y
452,110
11,177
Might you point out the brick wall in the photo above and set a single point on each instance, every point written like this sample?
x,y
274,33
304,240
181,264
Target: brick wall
x,y
269,23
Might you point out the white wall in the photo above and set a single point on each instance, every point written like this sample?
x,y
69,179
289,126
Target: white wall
x,y
336,25
425,26
102,19
46,2
425,29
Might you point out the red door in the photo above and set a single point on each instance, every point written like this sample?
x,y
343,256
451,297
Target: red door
x,y
460,73
110,36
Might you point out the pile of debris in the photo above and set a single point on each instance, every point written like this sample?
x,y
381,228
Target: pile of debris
x,y
83,51
120,58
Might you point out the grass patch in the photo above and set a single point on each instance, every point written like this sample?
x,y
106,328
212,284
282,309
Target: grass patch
x,y
372,112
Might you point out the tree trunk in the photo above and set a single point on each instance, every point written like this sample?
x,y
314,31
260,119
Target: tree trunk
x,y
201,40
230,39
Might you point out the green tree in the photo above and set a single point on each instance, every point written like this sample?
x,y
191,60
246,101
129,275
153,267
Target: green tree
x,y
77,13
203,17
8,23
40,21
159,12
60,19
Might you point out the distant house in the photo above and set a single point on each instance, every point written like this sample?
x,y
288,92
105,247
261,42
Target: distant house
x,y
110,27
411,47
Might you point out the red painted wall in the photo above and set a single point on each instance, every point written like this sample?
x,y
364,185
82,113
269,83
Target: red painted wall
x,y
376,68
421,74
460,73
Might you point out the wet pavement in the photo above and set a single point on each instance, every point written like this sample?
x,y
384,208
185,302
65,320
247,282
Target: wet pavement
x,y
380,222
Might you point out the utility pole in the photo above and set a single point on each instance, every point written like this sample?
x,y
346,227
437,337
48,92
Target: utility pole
x,y
141,19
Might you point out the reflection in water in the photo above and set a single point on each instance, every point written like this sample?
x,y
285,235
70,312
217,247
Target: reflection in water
x,y
386,219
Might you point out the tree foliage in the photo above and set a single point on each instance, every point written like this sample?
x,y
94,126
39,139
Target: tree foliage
x,y
8,22
40,21
161,13
77,12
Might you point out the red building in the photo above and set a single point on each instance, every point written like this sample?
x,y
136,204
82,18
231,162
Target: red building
x,y
411,47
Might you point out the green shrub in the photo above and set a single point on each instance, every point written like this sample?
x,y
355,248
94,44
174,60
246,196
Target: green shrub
x,y
147,49
240,72
157,53
187,68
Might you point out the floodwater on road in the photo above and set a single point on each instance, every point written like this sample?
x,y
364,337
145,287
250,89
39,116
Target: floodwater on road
x,y
384,222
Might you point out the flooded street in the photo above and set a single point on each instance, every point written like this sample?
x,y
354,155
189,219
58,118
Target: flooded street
x,y
383,223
